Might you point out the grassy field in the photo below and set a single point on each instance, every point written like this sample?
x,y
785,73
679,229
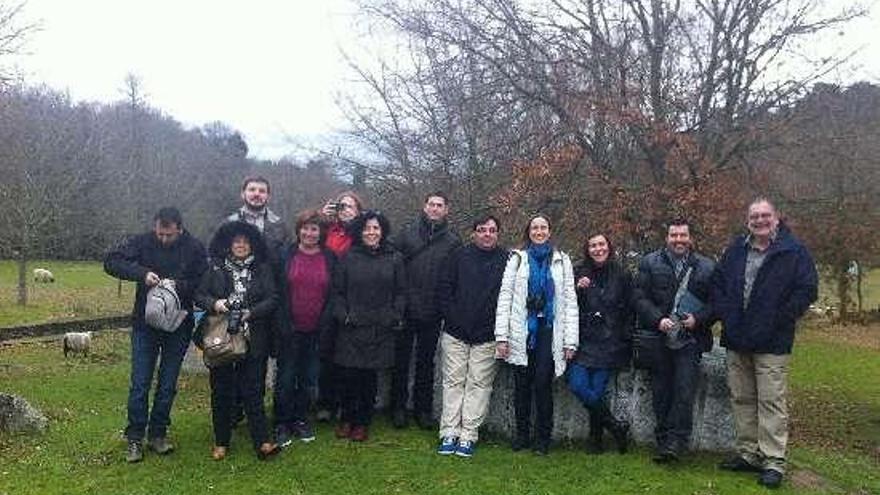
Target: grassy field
x,y
835,440
81,290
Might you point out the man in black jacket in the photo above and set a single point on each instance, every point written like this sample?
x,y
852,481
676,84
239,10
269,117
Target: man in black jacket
x,y
467,295
765,281
666,279
425,244
166,253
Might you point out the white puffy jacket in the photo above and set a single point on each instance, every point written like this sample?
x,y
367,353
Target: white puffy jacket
x,y
511,315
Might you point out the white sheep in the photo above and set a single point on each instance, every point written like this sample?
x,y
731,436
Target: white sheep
x,y
77,343
42,275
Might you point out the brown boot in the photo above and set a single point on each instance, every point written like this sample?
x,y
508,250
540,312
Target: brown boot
x,y
218,453
267,450
359,434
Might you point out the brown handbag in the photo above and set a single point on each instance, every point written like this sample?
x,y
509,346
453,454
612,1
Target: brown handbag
x,y
219,347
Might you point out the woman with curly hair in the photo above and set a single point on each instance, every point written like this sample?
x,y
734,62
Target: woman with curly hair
x,y
240,279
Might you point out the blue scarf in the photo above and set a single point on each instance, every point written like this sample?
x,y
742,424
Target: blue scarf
x,y
540,286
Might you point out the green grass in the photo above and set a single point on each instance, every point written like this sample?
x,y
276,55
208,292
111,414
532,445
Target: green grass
x,y
81,290
82,452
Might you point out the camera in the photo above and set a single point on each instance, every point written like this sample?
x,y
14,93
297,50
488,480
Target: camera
x,y
536,304
234,317
335,206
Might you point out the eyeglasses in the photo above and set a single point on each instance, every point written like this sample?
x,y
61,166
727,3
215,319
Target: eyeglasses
x,y
486,230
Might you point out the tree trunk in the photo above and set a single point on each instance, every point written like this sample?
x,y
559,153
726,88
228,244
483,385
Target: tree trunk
x,y
22,278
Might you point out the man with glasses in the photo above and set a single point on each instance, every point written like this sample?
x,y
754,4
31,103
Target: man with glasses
x,y
764,282
467,295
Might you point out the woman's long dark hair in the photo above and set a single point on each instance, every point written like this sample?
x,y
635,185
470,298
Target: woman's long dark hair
x,y
525,237
588,260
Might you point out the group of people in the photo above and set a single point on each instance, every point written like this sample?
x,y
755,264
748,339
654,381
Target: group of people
x,y
345,298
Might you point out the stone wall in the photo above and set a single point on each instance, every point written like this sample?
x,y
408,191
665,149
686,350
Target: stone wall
x,y
630,397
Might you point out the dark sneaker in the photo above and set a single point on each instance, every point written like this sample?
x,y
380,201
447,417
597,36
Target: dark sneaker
x,y
135,452
425,420
303,431
399,418
447,446
739,464
770,478
161,445
520,442
665,455
282,436
465,448
541,448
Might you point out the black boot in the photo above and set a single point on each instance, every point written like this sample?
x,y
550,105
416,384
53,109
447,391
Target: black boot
x,y
594,441
618,429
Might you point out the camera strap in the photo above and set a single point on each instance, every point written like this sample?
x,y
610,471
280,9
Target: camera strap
x,y
682,289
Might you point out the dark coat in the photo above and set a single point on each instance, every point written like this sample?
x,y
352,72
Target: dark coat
x,y
467,293
326,327
656,285
605,316
424,246
369,299
184,262
784,288
261,297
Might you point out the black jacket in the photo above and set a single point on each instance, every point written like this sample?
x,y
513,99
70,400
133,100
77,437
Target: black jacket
x,y
261,299
184,262
656,285
368,304
605,316
325,323
425,246
261,296
785,286
467,293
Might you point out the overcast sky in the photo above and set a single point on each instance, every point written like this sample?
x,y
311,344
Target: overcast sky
x,y
269,68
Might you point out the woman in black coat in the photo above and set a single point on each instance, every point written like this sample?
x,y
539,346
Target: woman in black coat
x,y
603,290
368,306
240,279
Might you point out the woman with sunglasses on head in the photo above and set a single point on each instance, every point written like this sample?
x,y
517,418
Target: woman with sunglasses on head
x,y
536,328
603,290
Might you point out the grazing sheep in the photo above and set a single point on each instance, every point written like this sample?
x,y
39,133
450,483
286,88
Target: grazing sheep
x,y
42,275
77,343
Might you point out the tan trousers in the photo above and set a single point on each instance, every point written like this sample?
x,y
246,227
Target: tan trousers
x,y
468,373
758,389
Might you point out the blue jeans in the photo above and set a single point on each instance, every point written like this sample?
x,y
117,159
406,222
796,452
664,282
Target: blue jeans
x,y
147,346
588,384
297,379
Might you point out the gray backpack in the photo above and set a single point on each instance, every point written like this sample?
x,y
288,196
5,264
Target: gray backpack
x,y
163,311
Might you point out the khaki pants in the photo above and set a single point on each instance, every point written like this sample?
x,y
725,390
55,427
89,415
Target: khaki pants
x,y
468,373
758,389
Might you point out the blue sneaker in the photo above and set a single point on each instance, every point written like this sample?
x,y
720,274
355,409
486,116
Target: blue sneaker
x,y
465,448
447,446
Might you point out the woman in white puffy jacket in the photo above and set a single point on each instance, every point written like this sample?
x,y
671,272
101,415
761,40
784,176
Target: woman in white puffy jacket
x,y
536,328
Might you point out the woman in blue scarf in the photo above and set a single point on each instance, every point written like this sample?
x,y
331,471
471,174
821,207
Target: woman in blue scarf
x,y
536,329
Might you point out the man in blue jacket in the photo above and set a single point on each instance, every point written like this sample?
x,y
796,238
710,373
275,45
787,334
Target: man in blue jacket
x,y
168,252
764,282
